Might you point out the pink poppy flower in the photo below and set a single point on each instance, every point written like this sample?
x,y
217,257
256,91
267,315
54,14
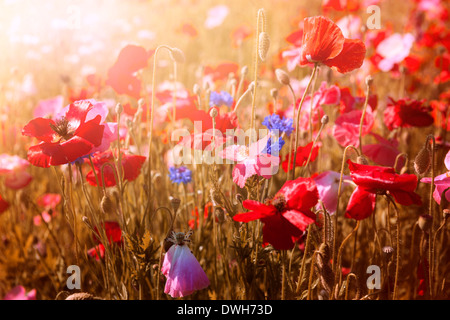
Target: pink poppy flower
x,y
441,182
216,16
346,127
48,107
394,50
13,168
48,201
251,161
183,272
19,293
327,184
37,220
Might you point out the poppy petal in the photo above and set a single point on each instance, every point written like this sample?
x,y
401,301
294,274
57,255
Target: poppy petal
x,y
40,129
361,204
322,40
350,58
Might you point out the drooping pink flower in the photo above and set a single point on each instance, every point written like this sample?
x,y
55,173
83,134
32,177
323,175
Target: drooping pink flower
x,y
13,168
346,127
183,272
251,161
49,202
19,293
327,184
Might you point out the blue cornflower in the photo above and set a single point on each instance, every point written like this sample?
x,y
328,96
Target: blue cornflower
x,y
220,98
274,122
180,175
276,146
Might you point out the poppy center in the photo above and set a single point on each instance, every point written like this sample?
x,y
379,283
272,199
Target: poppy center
x,y
279,202
63,128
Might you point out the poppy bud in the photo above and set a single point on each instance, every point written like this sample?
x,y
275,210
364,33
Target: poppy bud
x,y
213,113
177,55
244,71
274,93
324,119
106,204
175,204
425,222
388,251
81,296
119,108
369,80
422,162
282,77
362,160
197,90
264,44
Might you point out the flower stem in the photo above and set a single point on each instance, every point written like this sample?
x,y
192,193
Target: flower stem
x,y
366,102
297,121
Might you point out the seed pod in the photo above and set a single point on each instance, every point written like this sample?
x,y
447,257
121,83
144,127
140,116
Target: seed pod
x,y
282,77
264,44
425,222
177,55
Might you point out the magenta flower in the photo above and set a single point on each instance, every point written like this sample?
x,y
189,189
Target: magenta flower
x,y
14,170
48,107
251,161
182,270
441,182
383,152
19,293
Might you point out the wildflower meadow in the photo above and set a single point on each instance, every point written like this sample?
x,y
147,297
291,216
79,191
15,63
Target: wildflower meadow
x,y
224,150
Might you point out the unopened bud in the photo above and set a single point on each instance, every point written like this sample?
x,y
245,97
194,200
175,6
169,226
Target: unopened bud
x,y
119,108
175,202
213,113
324,119
177,55
425,222
264,45
274,93
282,77
106,204
362,160
446,214
244,71
220,214
422,162
369,80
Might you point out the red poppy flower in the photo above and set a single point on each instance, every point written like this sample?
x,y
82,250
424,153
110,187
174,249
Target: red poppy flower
x,y
287,215
302,156
323,42
239,34
188,29
373,180
65,139
113,233
121,76
407,113
131,165
221,71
